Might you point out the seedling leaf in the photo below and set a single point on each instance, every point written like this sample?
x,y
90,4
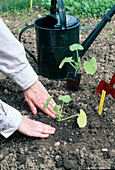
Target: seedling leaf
x,y
56,108
76,47
65,98
90,66
65,60
47,102
82,119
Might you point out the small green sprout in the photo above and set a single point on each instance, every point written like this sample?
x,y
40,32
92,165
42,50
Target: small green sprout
x,y
47,102
81,120
89,66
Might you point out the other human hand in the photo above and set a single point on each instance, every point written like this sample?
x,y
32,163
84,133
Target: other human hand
x,y
35,128
36,96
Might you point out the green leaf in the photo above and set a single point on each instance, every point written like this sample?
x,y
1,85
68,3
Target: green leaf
x,y
76,47
47,102
82,119
90,66
78,5
57,108
66,60
65,98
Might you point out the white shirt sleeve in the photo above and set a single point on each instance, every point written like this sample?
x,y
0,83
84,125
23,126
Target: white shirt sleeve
x,y
10,119
13,62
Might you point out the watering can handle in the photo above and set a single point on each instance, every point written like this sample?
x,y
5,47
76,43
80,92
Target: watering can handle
x,y
62,14
25,28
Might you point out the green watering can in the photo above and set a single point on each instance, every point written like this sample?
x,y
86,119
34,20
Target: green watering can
x,y
54,35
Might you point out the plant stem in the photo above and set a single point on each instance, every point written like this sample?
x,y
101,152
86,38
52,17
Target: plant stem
x,y
75,73
77,55
69,117
62,107
72,65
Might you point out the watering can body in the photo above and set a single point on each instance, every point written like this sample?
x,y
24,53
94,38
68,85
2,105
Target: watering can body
x,y
54,35
53,45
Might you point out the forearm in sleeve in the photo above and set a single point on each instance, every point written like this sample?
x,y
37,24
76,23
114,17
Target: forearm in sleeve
x,y
10,119
13,61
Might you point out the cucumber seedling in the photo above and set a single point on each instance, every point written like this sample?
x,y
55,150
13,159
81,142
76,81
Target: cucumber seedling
x,y
82,118
89,66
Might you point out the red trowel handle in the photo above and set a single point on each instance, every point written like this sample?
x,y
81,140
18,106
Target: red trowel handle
x,y
109,88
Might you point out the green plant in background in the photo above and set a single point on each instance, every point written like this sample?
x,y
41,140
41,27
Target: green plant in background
x,y
8,24
81,120
17,29
89,66
87,8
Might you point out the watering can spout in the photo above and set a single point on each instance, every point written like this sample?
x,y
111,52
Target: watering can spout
x,y
92,36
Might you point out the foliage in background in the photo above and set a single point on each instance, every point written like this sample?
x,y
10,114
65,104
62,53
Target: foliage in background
x,y
87,8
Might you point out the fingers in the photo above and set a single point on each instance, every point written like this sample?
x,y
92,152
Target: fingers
x,y
34,128
44,128
49,111
36,96
32,106
50,108
42,132
40,135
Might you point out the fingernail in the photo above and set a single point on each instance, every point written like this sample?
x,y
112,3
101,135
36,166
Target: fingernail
x,y
53,129
34,111
54,116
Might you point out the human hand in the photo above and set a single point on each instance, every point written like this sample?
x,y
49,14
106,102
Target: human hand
x,y
36,96
35,128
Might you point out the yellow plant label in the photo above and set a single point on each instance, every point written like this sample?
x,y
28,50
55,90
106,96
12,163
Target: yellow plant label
x,y
101,101
31,2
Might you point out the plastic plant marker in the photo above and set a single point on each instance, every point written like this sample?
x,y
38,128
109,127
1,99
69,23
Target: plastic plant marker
x,y
101,102
82,119
31,2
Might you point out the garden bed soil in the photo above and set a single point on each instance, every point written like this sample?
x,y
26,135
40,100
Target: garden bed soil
x,y
70,148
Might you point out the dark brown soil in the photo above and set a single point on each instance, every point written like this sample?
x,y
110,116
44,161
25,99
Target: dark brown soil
x,y
71,148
